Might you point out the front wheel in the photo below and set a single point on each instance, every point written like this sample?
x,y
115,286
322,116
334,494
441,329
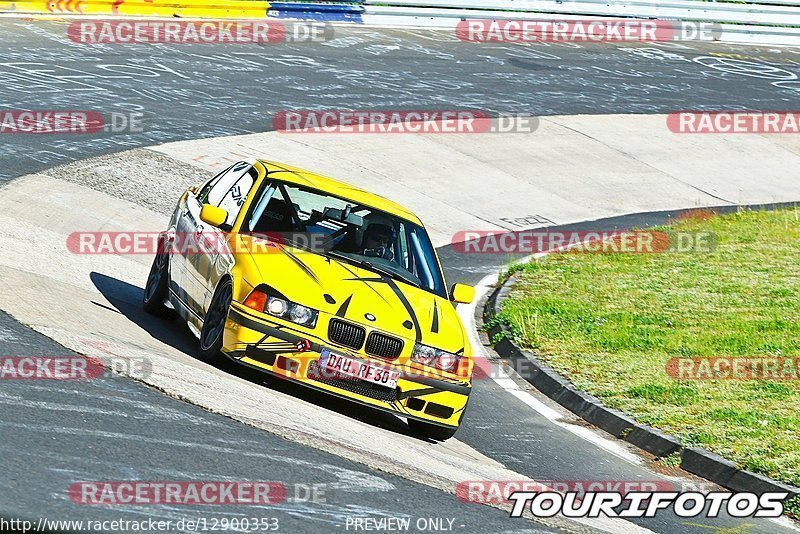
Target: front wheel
x,y
157,286
427,430
214,324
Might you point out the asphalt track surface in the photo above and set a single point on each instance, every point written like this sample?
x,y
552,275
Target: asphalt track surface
x,y
115,429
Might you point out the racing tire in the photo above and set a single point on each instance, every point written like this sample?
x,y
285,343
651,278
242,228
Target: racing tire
x,y
427,430
157,287
211,335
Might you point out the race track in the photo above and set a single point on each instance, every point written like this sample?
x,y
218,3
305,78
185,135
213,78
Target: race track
x,y
608,166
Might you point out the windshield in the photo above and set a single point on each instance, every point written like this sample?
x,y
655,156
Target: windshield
x,y
348,232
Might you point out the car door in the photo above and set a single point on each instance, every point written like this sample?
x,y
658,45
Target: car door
x,y
182,237
209,258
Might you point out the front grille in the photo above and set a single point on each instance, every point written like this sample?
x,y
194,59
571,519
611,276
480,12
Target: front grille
x,y
360,387
347,334
383,346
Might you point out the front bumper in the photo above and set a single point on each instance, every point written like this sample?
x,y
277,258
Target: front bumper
x,y
273,347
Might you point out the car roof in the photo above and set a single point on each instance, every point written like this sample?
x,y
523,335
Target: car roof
x,y
287,173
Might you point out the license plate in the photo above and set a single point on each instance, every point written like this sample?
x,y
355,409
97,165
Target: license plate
x,y
338,366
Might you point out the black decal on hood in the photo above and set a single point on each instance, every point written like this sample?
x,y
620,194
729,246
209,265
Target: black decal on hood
x,y
435,324
302,265
329,299
343,308
407,305
400,295
365,280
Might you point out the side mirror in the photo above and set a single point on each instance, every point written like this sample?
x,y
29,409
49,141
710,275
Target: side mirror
x,y
213,215
462,294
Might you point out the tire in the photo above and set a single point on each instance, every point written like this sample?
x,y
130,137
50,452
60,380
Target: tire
x,y
211,335
427,430
157,287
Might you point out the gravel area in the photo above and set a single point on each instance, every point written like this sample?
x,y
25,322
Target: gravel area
x,y
120,175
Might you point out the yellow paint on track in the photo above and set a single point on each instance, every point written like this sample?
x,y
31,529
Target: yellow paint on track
x,y
201,9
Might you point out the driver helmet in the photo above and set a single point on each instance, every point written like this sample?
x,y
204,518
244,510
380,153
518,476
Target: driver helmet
x,y
378,233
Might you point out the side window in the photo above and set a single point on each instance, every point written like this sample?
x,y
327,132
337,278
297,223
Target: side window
x,y
202,195
229,191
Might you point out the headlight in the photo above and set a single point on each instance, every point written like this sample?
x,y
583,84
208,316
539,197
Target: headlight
x,y
286,309
432,357
260,301
277,306
300,314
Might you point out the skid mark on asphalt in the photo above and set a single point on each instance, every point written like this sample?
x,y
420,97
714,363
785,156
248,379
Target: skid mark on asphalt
x,y
145,409
7,336
345,487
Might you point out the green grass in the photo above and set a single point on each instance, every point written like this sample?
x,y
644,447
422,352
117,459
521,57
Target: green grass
x,y
612,321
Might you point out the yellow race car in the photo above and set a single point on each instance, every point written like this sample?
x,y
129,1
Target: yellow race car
x,y
320,283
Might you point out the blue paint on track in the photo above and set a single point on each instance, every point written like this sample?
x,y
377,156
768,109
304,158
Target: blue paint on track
x,y
320,12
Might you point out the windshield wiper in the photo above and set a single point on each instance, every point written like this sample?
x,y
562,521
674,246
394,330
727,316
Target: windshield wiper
x,y
387,272
372,267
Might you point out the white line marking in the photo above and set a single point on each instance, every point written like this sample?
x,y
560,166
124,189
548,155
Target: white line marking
x,y
467,313
556,418
503,379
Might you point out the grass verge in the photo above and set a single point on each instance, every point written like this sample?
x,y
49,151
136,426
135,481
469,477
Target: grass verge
x,y
611,322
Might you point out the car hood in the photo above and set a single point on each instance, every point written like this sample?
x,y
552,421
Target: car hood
x,y
360,295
